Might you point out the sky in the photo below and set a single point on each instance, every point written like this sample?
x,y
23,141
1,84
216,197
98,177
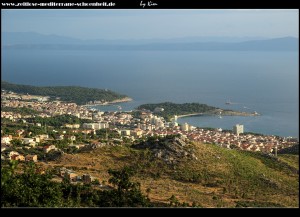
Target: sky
x,y
149,24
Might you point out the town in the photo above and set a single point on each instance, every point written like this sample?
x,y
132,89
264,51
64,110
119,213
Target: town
x,y
24,138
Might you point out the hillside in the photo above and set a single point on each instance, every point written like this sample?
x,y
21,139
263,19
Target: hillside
x,y
79,95
203,174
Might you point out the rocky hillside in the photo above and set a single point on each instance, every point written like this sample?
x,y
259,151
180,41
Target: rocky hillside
x,y
170,150
201,174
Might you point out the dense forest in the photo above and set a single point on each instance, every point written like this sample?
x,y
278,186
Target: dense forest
x,y
171,109
79,95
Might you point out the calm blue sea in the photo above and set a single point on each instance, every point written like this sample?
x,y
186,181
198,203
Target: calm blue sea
x,y
266,82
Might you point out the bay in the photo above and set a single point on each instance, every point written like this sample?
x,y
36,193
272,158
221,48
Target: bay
x,y
266,82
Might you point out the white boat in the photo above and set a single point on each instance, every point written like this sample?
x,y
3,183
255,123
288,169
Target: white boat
x,y
228,102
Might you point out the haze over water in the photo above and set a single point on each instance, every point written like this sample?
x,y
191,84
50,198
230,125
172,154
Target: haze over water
x,y
266,82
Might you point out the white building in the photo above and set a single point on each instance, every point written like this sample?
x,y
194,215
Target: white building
x,y
185,127
158,109
88,126
125,132
96,126
237,129
5,140
27,140
103,125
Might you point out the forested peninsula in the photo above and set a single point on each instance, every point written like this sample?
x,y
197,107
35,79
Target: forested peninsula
x,y
169,109
77,94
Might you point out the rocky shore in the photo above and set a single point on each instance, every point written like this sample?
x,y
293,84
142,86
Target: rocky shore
x,y
222,113
231,113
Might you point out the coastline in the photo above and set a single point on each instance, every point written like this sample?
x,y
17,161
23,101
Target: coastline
x,y
231,113
218,111
125,99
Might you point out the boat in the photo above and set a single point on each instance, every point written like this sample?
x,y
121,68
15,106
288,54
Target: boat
x,y
228,102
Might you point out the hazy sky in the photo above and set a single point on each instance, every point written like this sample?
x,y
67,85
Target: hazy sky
x,y
142,24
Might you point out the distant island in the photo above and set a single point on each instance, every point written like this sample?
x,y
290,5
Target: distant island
x,y
76,94
168,110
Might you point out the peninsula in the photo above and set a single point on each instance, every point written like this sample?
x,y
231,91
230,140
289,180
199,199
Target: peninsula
x,y
168,110
76,94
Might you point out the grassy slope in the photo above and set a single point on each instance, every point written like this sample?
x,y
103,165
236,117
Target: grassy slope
x,y
223,177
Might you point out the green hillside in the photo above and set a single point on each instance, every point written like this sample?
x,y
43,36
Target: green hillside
x,y
79,95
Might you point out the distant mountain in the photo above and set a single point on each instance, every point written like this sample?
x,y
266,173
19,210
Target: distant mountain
x,y
32,40
13,38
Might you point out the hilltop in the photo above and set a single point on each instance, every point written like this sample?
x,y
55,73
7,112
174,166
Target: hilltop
x,y
77,94
203,174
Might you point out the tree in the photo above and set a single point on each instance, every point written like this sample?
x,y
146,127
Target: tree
x,y
16,142
126,194
28,189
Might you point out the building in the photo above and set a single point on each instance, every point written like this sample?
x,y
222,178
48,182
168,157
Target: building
x,y
87,178
36,139
13,153
43,136
17,157
6,140
185,127
125,132
88,126
103,125
72,126
71,176
27,140
137,133
31,158
237,129
48,148
95,126
158,109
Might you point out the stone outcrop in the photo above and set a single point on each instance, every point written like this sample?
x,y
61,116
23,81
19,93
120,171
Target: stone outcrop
x,y
169,150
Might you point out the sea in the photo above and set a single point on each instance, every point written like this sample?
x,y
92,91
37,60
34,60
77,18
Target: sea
x,y
265,82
